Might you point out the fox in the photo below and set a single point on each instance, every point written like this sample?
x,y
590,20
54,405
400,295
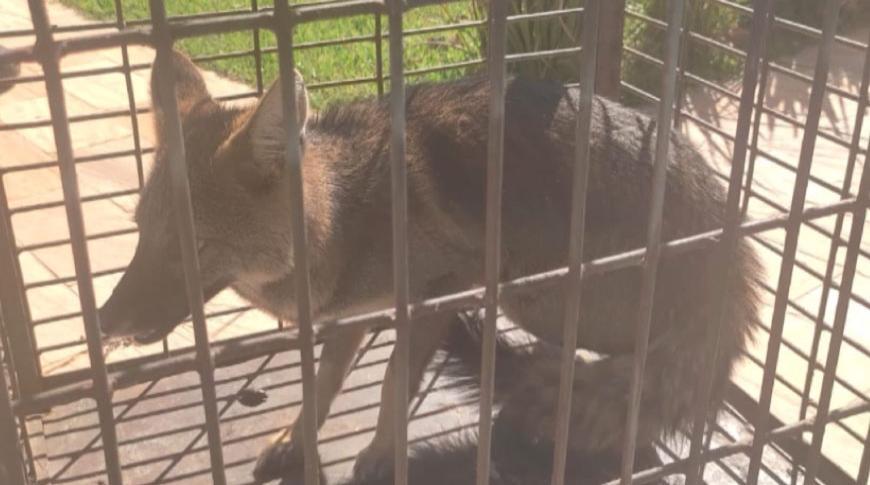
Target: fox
x,y
241,201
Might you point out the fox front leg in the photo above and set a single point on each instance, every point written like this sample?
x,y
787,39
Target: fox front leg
x,y
284,458
426,336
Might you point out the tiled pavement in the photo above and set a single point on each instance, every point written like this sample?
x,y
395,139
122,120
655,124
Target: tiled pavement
x,y
150,446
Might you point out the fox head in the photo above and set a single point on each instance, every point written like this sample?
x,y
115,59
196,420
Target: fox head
x,y
235,162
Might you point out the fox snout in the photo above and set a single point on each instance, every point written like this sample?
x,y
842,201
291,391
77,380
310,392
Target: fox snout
x,y
147,303
150,300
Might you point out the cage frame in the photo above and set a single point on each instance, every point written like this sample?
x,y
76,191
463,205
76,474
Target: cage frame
x,y
162,31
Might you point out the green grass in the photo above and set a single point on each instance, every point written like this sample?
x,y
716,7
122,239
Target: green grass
x,y
322,64
357,60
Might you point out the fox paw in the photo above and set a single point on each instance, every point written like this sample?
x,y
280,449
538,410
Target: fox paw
x,y
374,462
281,459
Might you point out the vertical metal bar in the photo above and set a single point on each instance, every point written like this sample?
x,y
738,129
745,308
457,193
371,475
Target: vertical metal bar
x,y
588,72
69,181
681,66
497,27
864,466
676,13
258,53
174,143
293,160
610,24
859,216
854,149
13,300
759,112
121,23
379,54
817,96
11,461
400,239
730,237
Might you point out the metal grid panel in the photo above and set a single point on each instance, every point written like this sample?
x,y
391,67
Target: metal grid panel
x,y
161,32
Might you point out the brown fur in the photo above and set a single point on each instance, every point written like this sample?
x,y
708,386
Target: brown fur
x,y
241,205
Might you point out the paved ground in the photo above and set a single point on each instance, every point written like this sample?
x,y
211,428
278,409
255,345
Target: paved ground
x,y
160,422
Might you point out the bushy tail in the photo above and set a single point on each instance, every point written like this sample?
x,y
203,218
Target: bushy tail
x,y
516,457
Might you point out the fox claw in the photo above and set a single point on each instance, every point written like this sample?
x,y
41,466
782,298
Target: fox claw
x,y
373,462
282,459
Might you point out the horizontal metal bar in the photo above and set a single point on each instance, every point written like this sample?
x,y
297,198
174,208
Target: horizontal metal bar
x,y
797,27
742,54
530,56
754,193
59,203
64,242
468,300
744,445
81,159
23,125
730,94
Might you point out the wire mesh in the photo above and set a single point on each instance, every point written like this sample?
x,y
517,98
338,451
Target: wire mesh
x,y
98,380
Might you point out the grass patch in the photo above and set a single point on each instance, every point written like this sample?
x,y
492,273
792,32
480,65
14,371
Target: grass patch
x,y
351,61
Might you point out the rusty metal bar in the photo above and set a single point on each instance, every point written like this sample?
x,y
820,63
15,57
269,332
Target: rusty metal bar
x,y
284,24
50,61
758,46
497,45
399,183
591,37
817,96
676,14
178,171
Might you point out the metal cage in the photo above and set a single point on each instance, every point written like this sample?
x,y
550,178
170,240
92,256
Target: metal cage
x,y
27,391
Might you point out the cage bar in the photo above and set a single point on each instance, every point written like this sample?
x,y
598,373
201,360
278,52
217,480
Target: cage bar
x,y
284,23
588,74
850,265
177,160
48,57
16,314
497,44
400,360
11,460
758,46
828,279
832,10
250,347
676,14
75,385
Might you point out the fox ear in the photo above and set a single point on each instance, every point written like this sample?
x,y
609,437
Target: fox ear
x,y
256,148
189,85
